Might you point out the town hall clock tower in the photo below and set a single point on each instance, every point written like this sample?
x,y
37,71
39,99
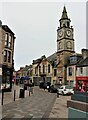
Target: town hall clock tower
x,y
65,45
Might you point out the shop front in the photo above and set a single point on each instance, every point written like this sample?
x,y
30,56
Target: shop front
x,y
7,78
82,82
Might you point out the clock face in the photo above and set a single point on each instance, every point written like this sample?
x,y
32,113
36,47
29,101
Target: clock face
x,y
60,33
68,32
69,45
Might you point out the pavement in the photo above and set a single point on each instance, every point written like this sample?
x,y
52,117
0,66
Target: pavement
x,y
59,109
40,104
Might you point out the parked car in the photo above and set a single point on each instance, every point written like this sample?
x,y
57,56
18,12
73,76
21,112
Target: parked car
x,y
53,89
44,85
65,89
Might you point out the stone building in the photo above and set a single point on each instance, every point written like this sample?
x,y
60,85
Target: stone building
x,y
7,39
65,46
44,69
82,71
73,60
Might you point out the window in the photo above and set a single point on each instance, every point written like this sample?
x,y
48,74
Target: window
x,y
39,69
6,39
5,55
73,60
49,68
9,56
35,70
10,41
70,71
55,72
43,68
81,70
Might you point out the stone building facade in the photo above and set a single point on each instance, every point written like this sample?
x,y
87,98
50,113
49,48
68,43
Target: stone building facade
x,y
44,69
7,39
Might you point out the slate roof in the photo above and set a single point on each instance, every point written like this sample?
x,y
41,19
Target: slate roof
x,y
83,63
76,61
6,28
26,67
52,59
39,59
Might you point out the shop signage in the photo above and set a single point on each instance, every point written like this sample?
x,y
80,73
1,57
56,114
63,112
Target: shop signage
x,y
82,78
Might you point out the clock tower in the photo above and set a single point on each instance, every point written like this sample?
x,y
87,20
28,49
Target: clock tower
x,y
65,43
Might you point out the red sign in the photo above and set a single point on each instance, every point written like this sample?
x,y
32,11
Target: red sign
x,y
82,78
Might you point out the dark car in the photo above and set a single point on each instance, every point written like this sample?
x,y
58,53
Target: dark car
x,y
41,85
44,85
53,89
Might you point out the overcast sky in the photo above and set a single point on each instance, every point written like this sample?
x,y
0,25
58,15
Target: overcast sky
x,y
35,26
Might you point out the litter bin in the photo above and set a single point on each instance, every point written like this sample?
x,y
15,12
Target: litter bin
x,y
21,93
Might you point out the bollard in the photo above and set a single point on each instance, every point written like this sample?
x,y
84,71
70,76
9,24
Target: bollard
x,y
2,97
22,93
14,94
29,92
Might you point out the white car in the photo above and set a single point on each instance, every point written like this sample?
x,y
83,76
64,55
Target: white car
x,y
65,89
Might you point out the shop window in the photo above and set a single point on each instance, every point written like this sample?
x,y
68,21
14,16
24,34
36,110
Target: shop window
x,y
5,82
70,71
49,68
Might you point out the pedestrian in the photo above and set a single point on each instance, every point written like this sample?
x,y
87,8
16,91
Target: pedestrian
x,y
82,90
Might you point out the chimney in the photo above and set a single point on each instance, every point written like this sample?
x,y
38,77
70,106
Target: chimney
x,y
84,53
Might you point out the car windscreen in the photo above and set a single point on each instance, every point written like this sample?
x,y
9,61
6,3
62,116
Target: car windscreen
x,y
68,87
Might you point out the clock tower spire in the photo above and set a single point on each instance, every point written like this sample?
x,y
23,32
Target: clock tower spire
x,y
65,40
